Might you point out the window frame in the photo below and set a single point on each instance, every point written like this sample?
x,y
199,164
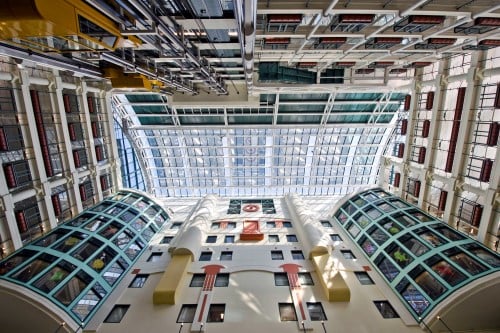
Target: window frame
x,y
277,253
222,280
297,255
273,238
138,277
189,309
385,312
282,306
227,237
337,236
215,315
169,238
205,256
119,311
197,280
211,239
155,256
316,307
226,256
364,278
348,254
292,238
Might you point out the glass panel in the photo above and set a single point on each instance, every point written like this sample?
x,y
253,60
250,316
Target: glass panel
x,y
401,257
432,287
362,220
147,234
122,239
422,217
432,238
483,254
87,249
415,246
445,270
133,250
415,298
110,230
399,203
54,276
86,304
464,261
384,206
373,213
378,235
15,261
287,312
353,229
391,226
404,219
186,315
348,208
101,260
367,245
70,242
387,268
34,267
448,233
113,273
97,223
70,291
197,280
140,204
341,217
53,237
316,311
138,224
81,219
370,197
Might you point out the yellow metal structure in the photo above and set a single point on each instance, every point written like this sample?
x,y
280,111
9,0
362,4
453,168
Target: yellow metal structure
x,y
59,26
135,81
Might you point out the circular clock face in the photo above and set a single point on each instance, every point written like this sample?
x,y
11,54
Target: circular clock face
x,y
250,208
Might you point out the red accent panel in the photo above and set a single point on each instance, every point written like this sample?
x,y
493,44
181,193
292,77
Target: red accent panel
x,y
365,70
457,117
136,271
486,170
429,102
56,204
497,97
490,42
477,213
426,126
67,104
3,140
83,194
212,269
420,64
487,21
251,208
22,225
284,18
367,268
442,200
95,129
426,19
421,155
345,64
333,40
104,182
416,189
76,158
203,305
290,268
307,64
8,169
397,179
251,231
493,134
277,40
407,103
278,223
356,18
401,149
72,131
404,126
388,40
441,41
99,153
90,102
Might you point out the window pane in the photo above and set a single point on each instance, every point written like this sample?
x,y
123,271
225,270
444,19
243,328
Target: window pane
x,y
364,278
273,238
316,311
326,224
297,255
306,279
222,280
138,281
216,313
385,309
116,315
276,255
211,239
205,256
229,239
465,261
280,279
186,315
166,240
197,280
154,257
348,254
226,255
291,238
336,238
73,288
416,300
287,312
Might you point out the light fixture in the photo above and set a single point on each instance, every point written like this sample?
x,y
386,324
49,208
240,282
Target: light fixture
x,y
303,326
425,325
180,328
323,324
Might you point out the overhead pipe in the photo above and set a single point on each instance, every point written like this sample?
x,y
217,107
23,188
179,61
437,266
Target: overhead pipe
x,y
246,16
162,28
127,64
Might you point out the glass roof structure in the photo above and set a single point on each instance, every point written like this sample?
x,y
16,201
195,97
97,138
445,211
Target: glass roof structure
x,y
307,143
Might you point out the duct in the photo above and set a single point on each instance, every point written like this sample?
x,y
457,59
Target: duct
x,y
127,64
246,16
163,29
49,61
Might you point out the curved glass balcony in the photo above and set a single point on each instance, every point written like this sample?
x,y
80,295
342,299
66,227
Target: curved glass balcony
x,y
77,265
423,259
